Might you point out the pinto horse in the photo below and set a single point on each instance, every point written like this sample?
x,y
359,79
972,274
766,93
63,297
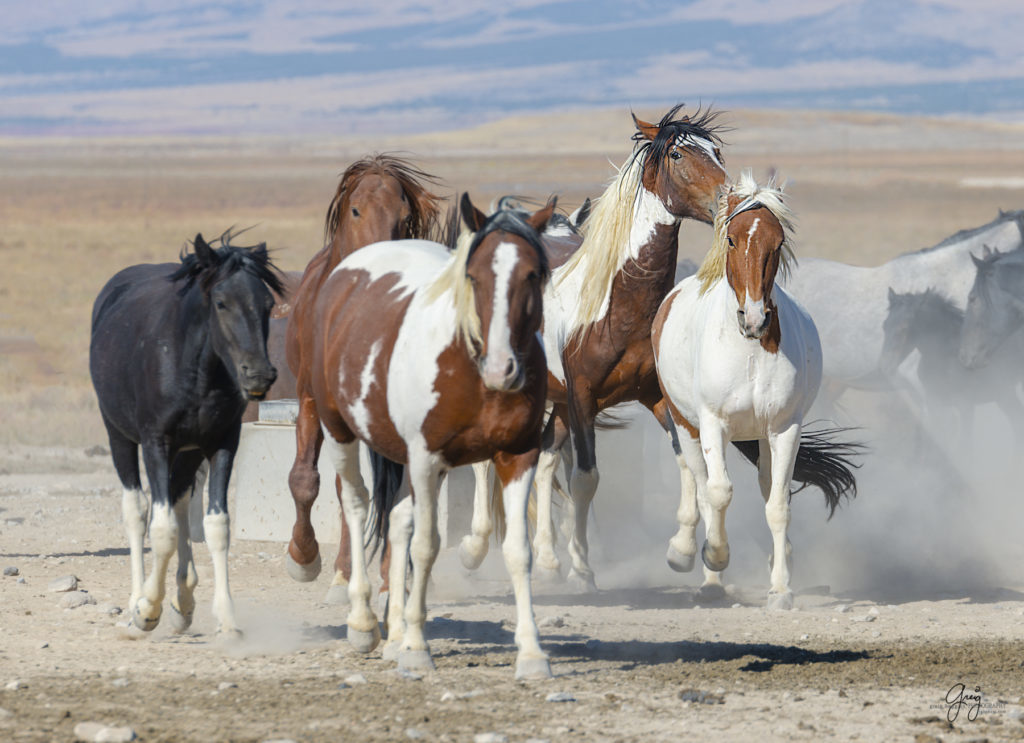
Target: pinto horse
x,y
433,359
378,198
599,306
176,352
739,359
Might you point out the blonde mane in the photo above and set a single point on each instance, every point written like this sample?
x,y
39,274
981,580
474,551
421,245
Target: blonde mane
x,y
770,196
453,279
605,242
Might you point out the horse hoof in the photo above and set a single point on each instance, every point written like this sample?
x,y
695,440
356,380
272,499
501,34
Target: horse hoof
x,y
780,601
678,561
391,651
142,622
717,566
532,669
230,636
547,576
469,556
415,660
582,583
179,621
336,595
363,642
302,573
711,592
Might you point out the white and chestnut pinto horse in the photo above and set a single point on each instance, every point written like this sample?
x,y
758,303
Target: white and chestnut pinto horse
x,y
598,310
434,360
849,303
739,359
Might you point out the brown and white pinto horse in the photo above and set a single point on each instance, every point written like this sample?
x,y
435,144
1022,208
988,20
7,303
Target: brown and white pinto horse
x,y
599,306
433,359
380,197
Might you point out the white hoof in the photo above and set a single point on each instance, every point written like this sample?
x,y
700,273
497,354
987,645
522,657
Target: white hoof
x,y
142,616
717,565
472,551
178,620
780,601
302,573
415,660
581,583
364,642
711,592
337,595
547,576
678,561
230,636
391,650
532,669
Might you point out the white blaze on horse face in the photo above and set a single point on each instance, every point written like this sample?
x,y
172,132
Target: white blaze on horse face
x,y
358,409
701,143
499,366
750,234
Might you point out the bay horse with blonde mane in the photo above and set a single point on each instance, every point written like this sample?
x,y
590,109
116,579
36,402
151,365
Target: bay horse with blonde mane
x,y
598,310
380,197
433,358
739,359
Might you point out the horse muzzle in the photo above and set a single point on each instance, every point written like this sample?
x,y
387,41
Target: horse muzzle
x,y
256,382
508,376
753,325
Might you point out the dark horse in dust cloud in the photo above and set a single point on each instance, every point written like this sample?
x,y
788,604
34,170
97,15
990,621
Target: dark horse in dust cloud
x,y
177,351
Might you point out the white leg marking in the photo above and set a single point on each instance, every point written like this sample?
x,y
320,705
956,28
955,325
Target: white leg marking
x,y
399,534
582,489
218,538
473,548
784,447
683,546
184,603
424,474
718,495
163,535
544,539
135,514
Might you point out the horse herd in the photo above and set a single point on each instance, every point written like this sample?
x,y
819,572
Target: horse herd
x,y
499,345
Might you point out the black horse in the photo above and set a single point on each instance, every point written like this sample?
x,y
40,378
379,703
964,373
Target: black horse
x,y
176,353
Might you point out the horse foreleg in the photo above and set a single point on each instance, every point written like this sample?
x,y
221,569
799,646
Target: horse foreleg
x,y
554,438
337,592
716,497
302,560
516,474
473,547
399,534
784,446
217,525
582,488
134,506
363,629
424,477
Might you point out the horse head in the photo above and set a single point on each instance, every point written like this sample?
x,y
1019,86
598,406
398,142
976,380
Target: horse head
x,y
683,164
897,327
506,268
235,287
995,306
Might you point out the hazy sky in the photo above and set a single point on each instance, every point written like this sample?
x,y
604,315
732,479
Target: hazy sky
x,y
318,66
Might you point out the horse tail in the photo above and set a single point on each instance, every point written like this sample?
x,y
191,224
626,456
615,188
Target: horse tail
x,y
497,508
387,481
821,462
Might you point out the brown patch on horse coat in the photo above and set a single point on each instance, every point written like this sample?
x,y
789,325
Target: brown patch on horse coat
x,y
751,265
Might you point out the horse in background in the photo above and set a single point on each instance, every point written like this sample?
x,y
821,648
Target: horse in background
x,y
176,352
381,197
739,359
433,359
932,325
849,303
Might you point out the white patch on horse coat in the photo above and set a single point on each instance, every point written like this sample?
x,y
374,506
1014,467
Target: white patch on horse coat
x,y
499,348
360,414
750,234
415,262
561,295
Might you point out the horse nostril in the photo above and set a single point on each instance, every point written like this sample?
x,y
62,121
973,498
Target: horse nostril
x,y
510,368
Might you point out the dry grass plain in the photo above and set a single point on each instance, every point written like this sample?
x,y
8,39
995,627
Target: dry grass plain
x,y
636,658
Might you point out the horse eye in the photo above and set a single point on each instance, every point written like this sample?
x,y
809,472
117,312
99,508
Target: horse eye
x,y
731,243
675,154
355,212
221,305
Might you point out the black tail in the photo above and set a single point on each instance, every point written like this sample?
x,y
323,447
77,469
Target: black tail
x,y
387,480
820,462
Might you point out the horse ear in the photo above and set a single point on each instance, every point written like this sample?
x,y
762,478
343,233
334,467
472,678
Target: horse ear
x,y
978,262
647,130
203,251
473,217
892,296
582,213
986,251
539,219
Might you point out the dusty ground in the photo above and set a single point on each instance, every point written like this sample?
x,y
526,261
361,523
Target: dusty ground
x,y
639,657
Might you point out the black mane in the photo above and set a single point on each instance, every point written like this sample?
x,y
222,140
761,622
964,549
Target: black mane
x,y
512,222
227,260
702,124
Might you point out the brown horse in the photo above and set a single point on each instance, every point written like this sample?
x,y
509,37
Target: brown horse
x,y
379,198
599,306
433,358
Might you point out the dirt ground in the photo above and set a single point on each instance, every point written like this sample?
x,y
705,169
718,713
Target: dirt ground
x,y
645,659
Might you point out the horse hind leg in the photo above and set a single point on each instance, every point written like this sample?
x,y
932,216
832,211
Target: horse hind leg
x,y
473,547
337,592
134,507
163,533
399,534
302,560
